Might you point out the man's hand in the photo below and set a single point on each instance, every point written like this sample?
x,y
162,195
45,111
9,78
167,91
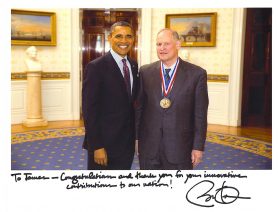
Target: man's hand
x,y
100,157
196,157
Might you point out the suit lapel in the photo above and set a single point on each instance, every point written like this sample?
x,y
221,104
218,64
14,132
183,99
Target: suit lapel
x,y
134,71
179,82
156,82
115,70
113,65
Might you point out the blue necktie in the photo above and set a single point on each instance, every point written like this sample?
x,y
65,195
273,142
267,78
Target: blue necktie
x,y
167,77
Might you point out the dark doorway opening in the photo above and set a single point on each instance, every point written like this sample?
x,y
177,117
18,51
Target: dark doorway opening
x,y
257,71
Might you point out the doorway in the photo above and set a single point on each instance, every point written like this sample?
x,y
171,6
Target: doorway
x,y
257,70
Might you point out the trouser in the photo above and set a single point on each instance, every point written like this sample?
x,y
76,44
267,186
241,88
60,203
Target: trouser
x,y
160,162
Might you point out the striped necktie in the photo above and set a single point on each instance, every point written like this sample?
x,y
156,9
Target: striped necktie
x,y
126,77
167,77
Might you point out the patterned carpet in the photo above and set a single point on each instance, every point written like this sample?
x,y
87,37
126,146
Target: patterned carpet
x,y
61,149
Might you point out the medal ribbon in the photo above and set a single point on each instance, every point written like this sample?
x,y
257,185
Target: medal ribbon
x,y
173,78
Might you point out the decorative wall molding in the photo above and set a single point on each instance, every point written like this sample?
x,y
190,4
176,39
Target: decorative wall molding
x,y
66,75
19,76
76,64
218,103
145,37
56,96
236,71
218,78
18,101
45,76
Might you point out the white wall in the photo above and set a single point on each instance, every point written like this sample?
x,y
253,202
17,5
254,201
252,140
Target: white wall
x,y
218,103
60,98
55,100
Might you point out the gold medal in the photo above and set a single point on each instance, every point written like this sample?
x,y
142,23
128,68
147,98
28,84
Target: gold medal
x,y
165,103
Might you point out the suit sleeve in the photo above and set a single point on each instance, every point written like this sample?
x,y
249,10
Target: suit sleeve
x,y
200,112
91,93
139,104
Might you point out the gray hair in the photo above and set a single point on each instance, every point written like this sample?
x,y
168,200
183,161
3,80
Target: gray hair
x,y
174,33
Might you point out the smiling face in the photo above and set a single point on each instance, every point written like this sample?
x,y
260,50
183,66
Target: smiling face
x,y
121,40
167,47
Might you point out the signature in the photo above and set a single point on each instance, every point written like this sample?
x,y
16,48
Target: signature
x,y
201,194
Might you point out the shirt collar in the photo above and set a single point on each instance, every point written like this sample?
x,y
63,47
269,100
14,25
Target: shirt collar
x,y
116,56
171,67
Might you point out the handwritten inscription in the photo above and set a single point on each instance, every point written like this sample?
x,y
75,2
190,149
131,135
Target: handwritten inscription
x,y
28,176
200,188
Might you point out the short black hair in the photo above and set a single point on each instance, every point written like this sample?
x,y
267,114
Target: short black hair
x,y
120,23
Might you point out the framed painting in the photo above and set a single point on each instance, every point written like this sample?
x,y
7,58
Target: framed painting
x,y
33,28
196,29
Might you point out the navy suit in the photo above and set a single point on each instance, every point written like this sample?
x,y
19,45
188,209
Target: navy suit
x,y
176,131
108,111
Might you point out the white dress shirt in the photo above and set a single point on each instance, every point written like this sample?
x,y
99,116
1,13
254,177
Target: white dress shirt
x,y
120,64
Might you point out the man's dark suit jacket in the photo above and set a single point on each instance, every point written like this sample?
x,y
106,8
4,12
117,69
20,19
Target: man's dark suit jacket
x,y
180,128
108,111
